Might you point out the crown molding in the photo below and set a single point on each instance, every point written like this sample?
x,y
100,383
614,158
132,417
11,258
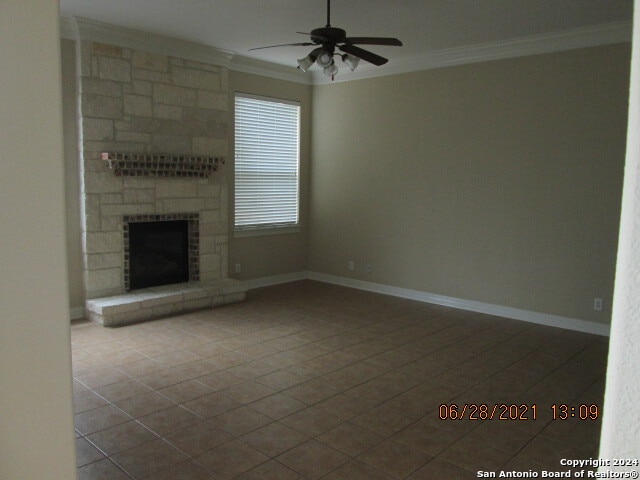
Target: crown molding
x,y
271,70
83,29
606,34
77,28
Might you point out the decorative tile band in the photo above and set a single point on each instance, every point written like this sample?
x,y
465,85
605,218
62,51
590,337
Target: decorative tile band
x,y
157,165
193,238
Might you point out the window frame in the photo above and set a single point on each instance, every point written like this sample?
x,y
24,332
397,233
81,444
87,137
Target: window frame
x,y
271,228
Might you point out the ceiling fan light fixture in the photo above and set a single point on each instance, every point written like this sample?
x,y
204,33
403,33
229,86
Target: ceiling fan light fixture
x,y
305,63
331,70
325,59
351,61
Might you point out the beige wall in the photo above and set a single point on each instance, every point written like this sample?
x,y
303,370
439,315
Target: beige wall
x,y
36,423
496,182
621,420
265,256
72,175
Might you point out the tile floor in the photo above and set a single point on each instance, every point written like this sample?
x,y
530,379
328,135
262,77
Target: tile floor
x,y
313,381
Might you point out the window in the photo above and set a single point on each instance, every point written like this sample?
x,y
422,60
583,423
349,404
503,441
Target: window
x,y
267,133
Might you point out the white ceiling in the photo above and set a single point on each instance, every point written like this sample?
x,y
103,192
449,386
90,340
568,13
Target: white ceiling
x,y
424,26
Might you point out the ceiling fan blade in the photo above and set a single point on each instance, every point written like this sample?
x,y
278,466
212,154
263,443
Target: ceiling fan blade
x,y
304,44
373,41
370,57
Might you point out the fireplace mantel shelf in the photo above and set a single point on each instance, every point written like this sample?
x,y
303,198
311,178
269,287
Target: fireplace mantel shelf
x,y
161,165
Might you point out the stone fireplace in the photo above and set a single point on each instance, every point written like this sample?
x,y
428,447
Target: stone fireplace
x,y
153,137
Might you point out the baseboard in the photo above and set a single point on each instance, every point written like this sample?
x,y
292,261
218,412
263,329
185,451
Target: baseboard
x,y
76,313
470,305
276,279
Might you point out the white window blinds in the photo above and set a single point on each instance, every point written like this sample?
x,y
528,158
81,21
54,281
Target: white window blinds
x,y
266,162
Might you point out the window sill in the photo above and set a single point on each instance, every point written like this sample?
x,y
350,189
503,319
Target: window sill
x,y
265,231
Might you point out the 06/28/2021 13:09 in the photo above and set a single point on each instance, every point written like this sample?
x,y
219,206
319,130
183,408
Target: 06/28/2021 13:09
x,y
522,412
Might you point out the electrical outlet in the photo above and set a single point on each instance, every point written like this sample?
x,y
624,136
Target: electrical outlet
x,y
368,268
597,304
238,268
352,265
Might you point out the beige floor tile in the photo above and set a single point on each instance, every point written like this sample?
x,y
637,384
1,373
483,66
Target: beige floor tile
x,y
231,459
361,373
229,359
148,458
157,348
270,470
312,391
277,406
79,387
162,378
99,418
106,348
345,406
185,391
198,438
122,390
211,405
252,369
168,420
281,380
259,350
431,439
221,380
175,358
121,437
144,404
383,420
87,400
473,456
350,438
311,421
188,470
506,436
86,452
437,469
102,377
310,369
240,421
356,470
123,357
274,439
313,459
248,392
208,349
197,368
395,458
102,469
142,367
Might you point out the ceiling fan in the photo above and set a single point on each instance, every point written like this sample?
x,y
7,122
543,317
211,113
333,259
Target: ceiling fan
x,y
327,39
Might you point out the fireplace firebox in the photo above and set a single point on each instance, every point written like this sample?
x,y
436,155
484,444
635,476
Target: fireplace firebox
x,y
158,253
160,250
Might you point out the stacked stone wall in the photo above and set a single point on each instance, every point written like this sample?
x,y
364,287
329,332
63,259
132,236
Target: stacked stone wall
x,y
133,101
